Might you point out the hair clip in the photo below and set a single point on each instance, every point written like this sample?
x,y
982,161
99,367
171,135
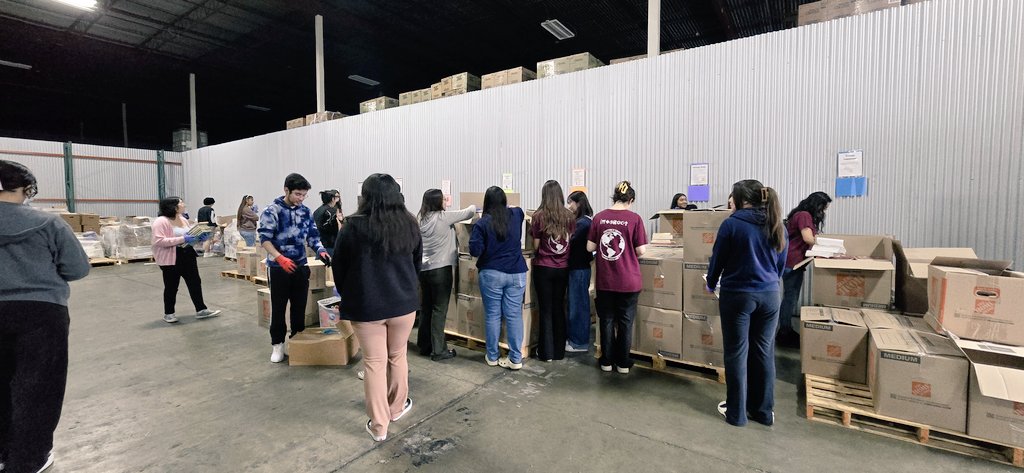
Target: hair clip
x,y
764,194
623,187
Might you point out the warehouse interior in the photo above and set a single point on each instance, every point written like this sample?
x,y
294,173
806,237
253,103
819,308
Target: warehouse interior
x,y
926,97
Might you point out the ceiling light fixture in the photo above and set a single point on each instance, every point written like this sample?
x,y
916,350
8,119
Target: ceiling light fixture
x,y
16,65
557,29
363,80
83,4
257,107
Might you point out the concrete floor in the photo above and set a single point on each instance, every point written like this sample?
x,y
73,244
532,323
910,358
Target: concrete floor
x,y
202,396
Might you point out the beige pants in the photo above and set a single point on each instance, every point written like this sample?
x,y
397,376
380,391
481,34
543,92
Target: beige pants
x,y
386,384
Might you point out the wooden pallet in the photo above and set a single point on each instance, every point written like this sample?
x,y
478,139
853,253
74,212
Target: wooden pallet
x,y
260,281
103,261
670,366
476,344
148,259
851,405
231,259
235,275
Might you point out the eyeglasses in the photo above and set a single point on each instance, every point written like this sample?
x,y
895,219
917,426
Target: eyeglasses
x,y
31,190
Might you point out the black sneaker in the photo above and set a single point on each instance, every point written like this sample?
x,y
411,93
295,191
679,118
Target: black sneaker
x,y
447,355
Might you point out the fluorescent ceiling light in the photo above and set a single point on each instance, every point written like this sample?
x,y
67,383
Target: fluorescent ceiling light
x,y
17,65
362,80
257,107
557,29
83,4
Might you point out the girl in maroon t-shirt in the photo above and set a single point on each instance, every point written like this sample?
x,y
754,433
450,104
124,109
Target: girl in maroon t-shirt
x,y
618,236
552,225
802,227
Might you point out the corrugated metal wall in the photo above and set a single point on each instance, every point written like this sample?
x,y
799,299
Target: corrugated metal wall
x,y
108,180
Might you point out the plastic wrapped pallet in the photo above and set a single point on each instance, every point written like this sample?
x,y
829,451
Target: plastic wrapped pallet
x,y
108,237
135,241
231,239
91,243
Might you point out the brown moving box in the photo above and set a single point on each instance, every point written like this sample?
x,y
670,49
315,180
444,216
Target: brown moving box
x,y
301,121
73,220
662,272
471,316
918,377
312,309
494,79
91,228
912,274
567,64
263,308
317,274
463,230
321,117
696,300
247,263
995,409
700,228
976,299
89,220
660,332
518,75
702,340
414,96
864,280
261,267
313,347
451,320
671,222
810,13
477,198
465,82
379,103
627,59
879,319
468,282
833,343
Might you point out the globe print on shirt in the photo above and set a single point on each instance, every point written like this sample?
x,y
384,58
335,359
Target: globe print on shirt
x,y
558,245
613,244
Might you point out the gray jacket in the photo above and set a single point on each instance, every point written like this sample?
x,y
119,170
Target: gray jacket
x,y
439,249
39,255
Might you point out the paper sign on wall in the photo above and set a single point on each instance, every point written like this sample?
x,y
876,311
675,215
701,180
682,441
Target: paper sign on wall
x,y
579,177
446,190
699,174
850,163
506,181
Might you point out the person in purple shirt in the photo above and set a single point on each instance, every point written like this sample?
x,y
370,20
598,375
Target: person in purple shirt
x,y
618,236
748,258
552,226
802,227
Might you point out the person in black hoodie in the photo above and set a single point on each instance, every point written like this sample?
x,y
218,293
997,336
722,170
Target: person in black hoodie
x,y
748,258
377,259
328,217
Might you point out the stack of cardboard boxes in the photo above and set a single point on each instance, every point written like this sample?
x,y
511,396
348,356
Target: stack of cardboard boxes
x,y
80,222
658,325
455,85
312,118
379,103
318,290
567,64
508,76
825,10
702,322
413,96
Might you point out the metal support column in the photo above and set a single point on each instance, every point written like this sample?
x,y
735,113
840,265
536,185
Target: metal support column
x,y
320,100
161,176
653,28
69,176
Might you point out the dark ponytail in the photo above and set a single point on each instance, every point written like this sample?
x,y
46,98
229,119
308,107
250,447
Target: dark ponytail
x,y
776,234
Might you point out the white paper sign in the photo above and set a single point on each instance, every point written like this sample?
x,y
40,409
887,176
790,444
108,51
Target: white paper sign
x,y
579,177
446,187
699,174
850,163
506,181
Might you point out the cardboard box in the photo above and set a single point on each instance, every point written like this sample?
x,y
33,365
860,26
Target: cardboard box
x,y
91,228
247,262
627,59
833,344
465,82
89,220
995,410
918,377
695,299
73,220
471,316
261,267
702,340
312,307
263,308
468,282
317,274
451,321
313,347
494,79
912,274
660,331
876,319
700,229
477,198
414,96
976,299
379,103
301,121
852,283
517,75
567,64
321,117
810,13
436,90
670,222
662,272
463,231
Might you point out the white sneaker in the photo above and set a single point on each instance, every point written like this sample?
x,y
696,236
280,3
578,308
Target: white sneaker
x,y
406,408
361,374
207,313
504,362
489,362
606,368
49,462
569,348
622,370
170,318
374,437
721,408
277,355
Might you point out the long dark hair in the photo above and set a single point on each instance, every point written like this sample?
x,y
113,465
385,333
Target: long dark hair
x,y
554,217
390,226
815,205
433,201
675,199
624,192
242,206
752,192
169,207
582,204
496,205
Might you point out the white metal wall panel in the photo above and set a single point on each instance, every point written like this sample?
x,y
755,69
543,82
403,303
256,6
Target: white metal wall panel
x,y
933,93
46,161
115,181
174,174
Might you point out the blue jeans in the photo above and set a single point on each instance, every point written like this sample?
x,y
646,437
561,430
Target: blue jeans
x,y
249,237
749,321
792,282
578,328
502,294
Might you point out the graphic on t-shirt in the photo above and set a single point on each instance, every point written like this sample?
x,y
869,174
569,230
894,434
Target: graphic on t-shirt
x,y
558,245
613,244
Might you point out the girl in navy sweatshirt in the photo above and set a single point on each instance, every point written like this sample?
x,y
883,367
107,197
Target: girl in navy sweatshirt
x,y
748,258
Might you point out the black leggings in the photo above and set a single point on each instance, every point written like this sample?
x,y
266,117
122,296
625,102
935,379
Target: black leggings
x,y
185,267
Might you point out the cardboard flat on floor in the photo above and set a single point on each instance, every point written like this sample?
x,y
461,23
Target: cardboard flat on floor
x,y
833,343
977,299
919,377
696,300
700,229
702,340
660,331
996,395
853,283
313,347
912,274
662,272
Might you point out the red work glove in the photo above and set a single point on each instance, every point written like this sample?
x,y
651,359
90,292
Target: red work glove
x,y
286,264
323,256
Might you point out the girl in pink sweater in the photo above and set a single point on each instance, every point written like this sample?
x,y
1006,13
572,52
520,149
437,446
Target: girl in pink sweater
x,y
173,252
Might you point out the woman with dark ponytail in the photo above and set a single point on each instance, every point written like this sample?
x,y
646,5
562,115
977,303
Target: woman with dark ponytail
x,y
802,227
748,258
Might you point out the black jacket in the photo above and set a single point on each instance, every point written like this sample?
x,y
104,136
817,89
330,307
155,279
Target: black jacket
x,y
374,286
326,223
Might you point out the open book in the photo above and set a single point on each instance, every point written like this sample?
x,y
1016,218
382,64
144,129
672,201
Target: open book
x,y
197,230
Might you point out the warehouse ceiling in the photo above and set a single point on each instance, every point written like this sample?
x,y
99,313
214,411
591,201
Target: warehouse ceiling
x,y
254,59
